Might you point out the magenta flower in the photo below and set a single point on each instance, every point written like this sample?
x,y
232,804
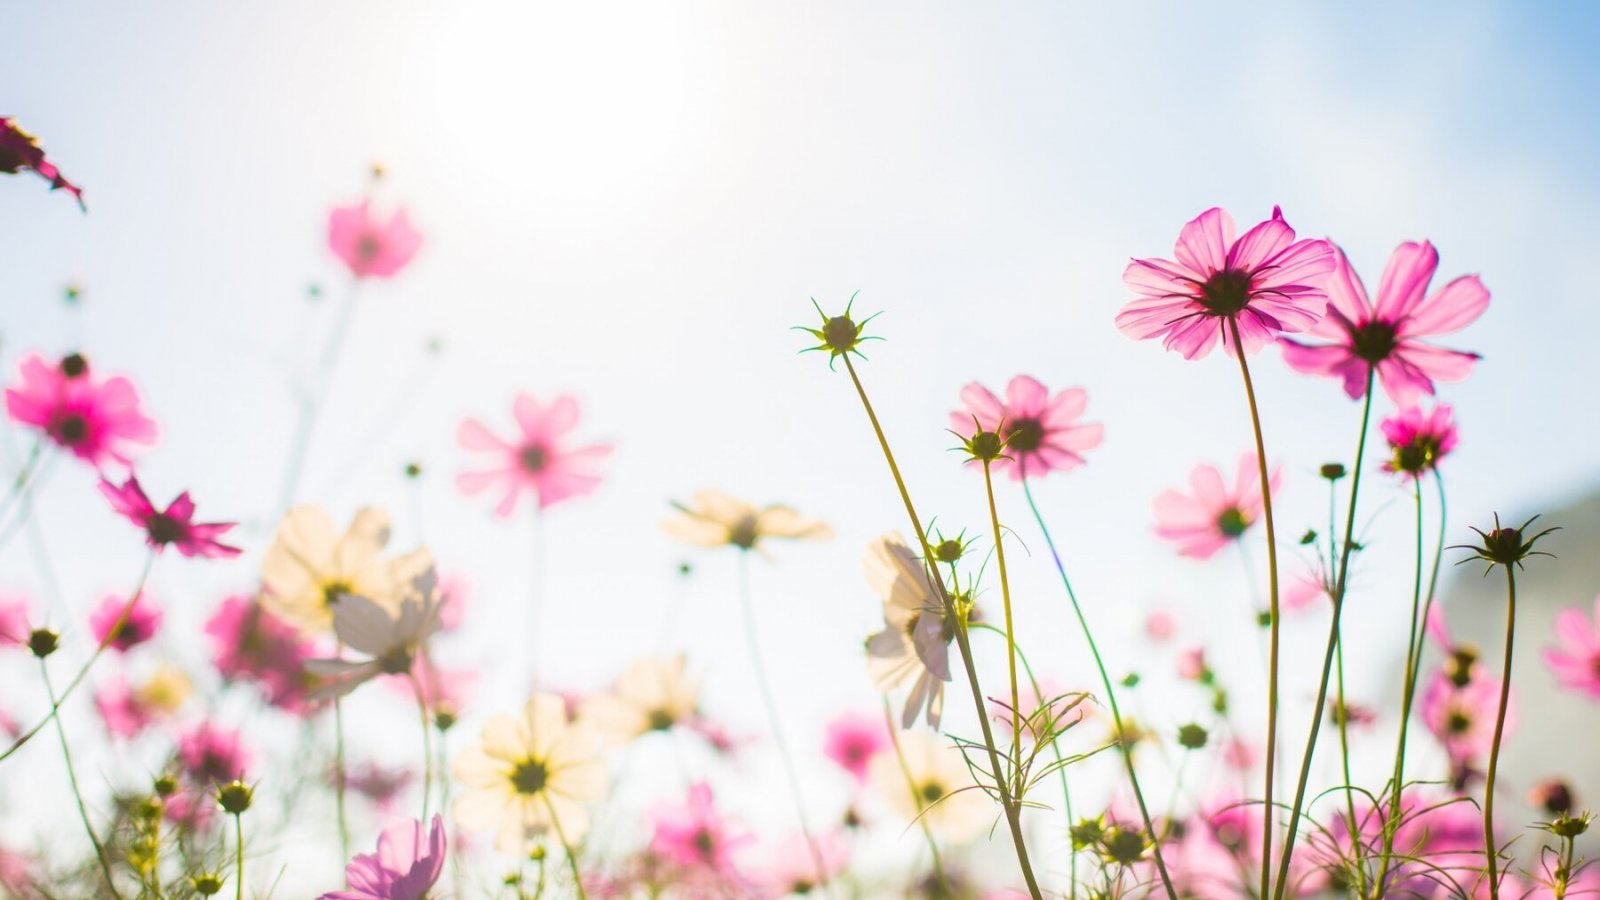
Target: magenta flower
x,y
404,868
122,713
852,740
1387,336
368,247
697,836
1462,716
212,754
1041,432
1418,440
20,150
1211,515
1265,281
538,460
1576,661
175,525
249,643
98,420
139,621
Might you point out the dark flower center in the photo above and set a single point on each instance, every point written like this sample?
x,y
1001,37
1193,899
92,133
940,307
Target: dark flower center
x,y
705,843
530,776
1024,435
931,792
334,591
744,533
660,720
1226,293
164,529
395,662
1232,522
1373,341
534,458
71,428
368,247
73,365
1230,836
1458,722
1417,456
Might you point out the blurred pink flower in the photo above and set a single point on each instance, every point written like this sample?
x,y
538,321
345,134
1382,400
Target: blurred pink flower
x,y
368,247
212,753
789,869
98,420
1418,440
1265,281
537,460
1576,660
406,866
1192,664
717,735
124,716
175,525
1240,754
453,589
443,690
14,627
1387,336
1042,433
1159,625
697,836
140,620
1462,716
1305,591
852,740
191,809
20,150
16,873
8,724
249,643
1207,519
379,784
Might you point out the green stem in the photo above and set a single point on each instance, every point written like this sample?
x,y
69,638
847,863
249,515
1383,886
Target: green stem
x,y
1343,720
339,774
1499,732
1011,640
963,644
572,858
77,795
1391,823
427,748
1340,583
238,842
1272,613
1111,693
774,721
916,797
77,678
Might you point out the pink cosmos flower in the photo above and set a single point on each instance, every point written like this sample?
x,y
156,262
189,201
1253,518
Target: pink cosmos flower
x,y
1418,440
16,869
1207,519
123,714
98,420
1240,754
379,784
1576,661
14,627
20,150
1387,336
212,754
1462,716
1160,626
790,869
443,690
191,809
1265,281
717,736
538,460
368,247
175,525
249,643
1305,591
697,836
405,867
453,589
852,740
138,620
1192,664
1042,433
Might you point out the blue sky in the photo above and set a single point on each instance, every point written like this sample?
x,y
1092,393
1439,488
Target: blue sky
x,y
634,203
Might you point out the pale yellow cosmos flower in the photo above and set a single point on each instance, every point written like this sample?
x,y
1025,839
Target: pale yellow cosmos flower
x,y
716,519
654,695
952,804
311,565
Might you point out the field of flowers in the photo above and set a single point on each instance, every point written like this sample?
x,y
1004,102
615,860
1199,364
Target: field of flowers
x,y
202,778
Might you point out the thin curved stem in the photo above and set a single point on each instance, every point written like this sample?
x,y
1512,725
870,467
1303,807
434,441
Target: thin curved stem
x,y
1340,582
566,847
774,721
1011,639
238,842
1272,612
427,748
77,679
1391,823
963,644
1489,848
916,796
77,794
1126,751
339,778
1343,719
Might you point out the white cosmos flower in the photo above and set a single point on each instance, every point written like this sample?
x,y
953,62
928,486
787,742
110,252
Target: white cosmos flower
x,y
531,772
718,520
952,804
310,566
914,646
390,637
654,695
